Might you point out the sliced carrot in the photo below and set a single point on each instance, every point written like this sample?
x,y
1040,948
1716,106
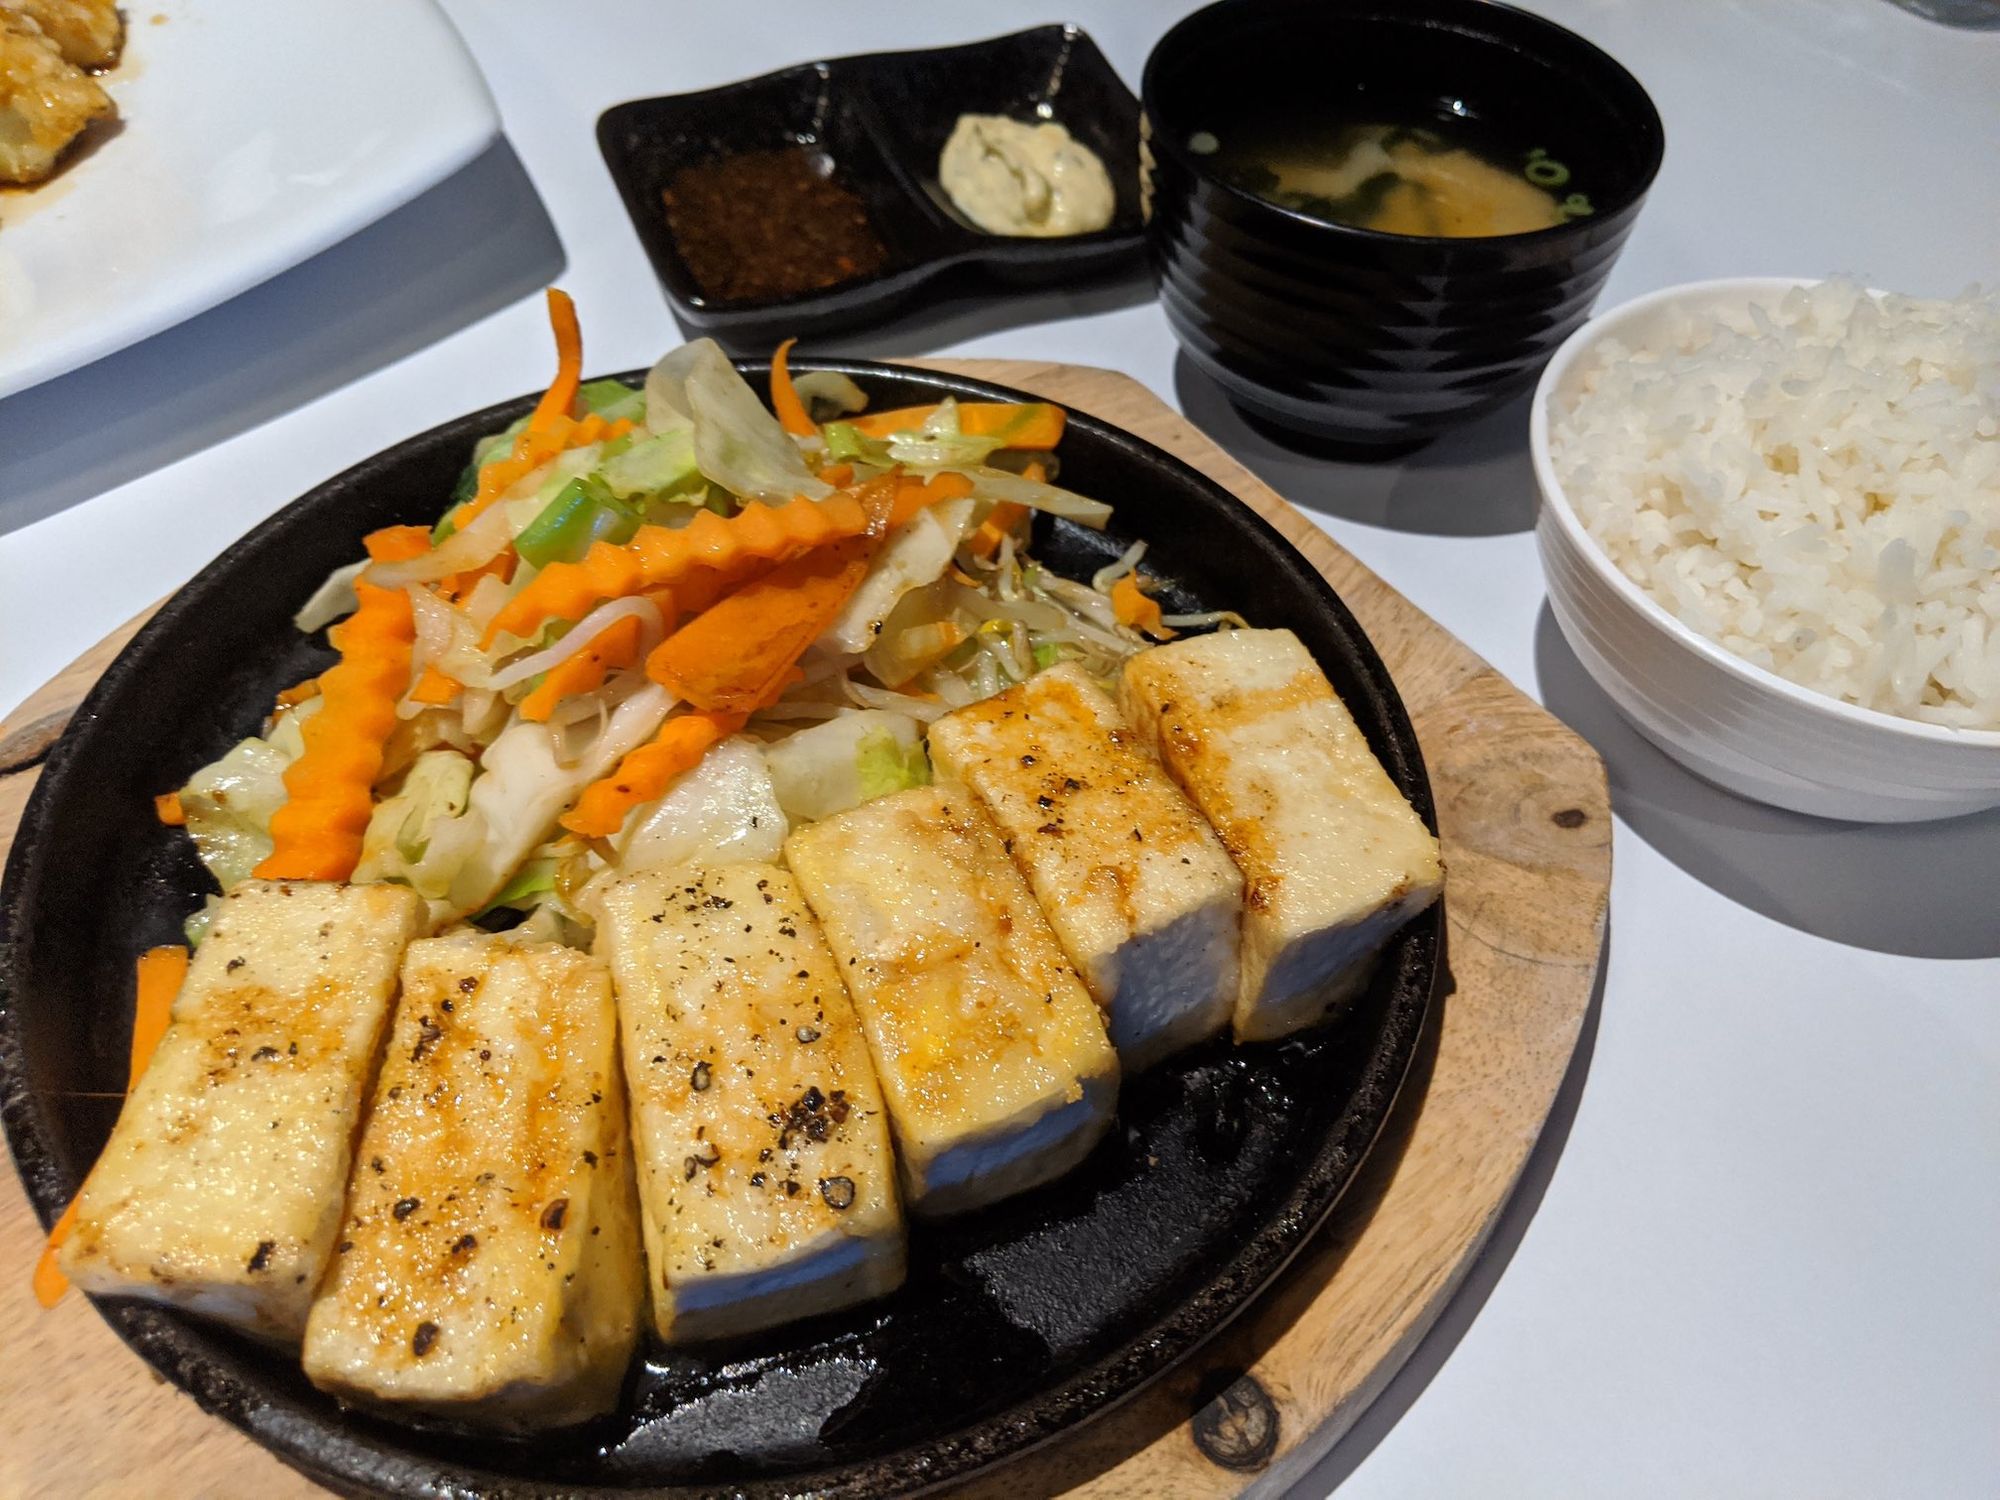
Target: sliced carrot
x,y
397,543
996,528
913,495
840,476
551,428
167,808
616,645
560,397
50,1283
435,688
316,833
161,972
660,557
1033,424
1130,604
737,655
646,772
299,692
792,413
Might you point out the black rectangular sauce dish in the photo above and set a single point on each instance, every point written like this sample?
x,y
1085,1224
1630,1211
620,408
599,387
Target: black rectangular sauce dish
x,y
1016,1322
877,123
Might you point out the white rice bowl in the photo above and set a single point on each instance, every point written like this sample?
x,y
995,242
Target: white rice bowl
x,y
1811,482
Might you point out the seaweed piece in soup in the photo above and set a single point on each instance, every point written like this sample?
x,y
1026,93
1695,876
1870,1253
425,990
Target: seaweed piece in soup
x,y
1443,181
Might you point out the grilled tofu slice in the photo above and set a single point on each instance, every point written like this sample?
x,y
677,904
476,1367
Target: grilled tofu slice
x,y
1138,888
766,1180
45,103
220,1189
1333,858
488,1265
992,1056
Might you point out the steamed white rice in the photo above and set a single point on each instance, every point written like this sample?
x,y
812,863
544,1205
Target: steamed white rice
x,y
1814,483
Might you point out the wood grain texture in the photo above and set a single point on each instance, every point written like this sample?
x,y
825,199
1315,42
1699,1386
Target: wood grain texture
x,y
1525,819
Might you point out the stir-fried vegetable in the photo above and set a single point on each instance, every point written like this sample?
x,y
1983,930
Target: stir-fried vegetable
x,y
645,773
724,808
737,656
1033,425
660,624
227,805
661,558
844,762
615,646
791,411
317,833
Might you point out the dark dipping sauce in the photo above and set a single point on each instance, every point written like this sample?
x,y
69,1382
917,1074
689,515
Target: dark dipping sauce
x,y
764,225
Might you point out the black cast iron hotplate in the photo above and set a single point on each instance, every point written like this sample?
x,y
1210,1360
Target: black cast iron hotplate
x,y
1016,1323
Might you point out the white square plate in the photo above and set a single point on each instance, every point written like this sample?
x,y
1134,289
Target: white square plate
x,y
252,136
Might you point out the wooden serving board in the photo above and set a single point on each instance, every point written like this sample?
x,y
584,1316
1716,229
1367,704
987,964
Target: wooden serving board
x,y
1525,817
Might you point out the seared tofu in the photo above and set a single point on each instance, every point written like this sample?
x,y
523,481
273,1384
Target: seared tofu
x,y
1333,858
1138,888
766,1180
220,1189
45,103
991,1054
488,1266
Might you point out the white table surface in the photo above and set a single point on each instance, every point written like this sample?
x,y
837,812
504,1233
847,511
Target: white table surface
x,y
1756,1255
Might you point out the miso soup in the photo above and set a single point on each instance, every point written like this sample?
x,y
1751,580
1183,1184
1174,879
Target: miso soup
x,y
1446,178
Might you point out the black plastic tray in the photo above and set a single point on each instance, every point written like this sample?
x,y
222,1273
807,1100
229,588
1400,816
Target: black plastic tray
x,y
881,119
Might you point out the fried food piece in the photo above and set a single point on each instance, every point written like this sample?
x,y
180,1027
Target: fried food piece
x,y
1334,858
766,1178
88,33
991,1054
1137,887
45,103
220,1189
488,1268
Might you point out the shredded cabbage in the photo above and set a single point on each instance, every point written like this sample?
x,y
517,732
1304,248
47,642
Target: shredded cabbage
x,y
916,554
332,600
723,811
941,441
829,390
884,764
228,803
831,767
399,831
997,484
738,444
652,467
522,788
472,547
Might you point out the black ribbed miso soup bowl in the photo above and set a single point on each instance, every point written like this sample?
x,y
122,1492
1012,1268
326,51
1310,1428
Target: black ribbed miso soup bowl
x,y
1376,340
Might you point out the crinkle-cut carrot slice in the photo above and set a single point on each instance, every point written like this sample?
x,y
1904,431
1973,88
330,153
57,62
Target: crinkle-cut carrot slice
x,y
316,833
662,557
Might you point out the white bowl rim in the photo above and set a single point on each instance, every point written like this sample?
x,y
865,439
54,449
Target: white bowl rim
x,y
1555,500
